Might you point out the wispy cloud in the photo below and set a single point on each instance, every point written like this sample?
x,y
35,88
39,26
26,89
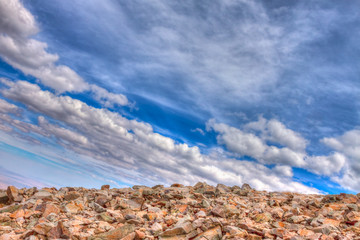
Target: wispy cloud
x,y
19,49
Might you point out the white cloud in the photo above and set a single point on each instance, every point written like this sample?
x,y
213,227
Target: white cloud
x,y
107,98
199,130
16,20
17,25
275,131
348,145
243,142
283,156
6,107
326,165
238,141
131,146
62,133
29,55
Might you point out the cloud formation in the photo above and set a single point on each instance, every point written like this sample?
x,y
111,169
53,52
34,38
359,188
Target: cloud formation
x,y
349,145
290,148
232,49
31,57
228,61
132,145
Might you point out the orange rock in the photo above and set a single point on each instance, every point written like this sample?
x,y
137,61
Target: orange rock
x,y
139,234
305,232
177,185
43,228
279,232
353,216
73,207
253,237
18,213
333,222
213,233
350,199
182,208
29,213
151,216
58,232
170,222
130,236
338,206
118,233
325,237
281,224
50,208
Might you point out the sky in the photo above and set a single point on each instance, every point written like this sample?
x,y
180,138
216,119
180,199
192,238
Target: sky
x,y
156,92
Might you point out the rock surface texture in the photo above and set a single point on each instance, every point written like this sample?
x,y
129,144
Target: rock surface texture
x,y
200,212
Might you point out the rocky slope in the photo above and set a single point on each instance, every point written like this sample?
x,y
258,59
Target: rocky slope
x,y
200,212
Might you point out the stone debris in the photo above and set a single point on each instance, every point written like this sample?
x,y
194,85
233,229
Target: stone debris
x,y
200,212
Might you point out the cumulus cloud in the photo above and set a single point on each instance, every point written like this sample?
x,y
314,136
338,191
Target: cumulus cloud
x,y
291,153
17,48
326,165
245,143
238,141
275,131
16,20
348,145
133,146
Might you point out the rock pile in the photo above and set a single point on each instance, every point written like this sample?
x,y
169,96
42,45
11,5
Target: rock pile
x,y
200,212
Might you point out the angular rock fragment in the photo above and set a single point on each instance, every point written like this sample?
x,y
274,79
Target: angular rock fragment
x,y
13,194
177,212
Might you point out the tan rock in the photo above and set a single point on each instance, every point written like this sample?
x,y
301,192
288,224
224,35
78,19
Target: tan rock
x,y
72,195
50,208
253,237
211,234
13,194
43,228
333,222
117,233
263,217
179,229
130,236
353,217
139,234
305,232
73,207
156,228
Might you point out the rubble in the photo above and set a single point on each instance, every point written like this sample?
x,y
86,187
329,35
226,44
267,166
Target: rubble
x,y
200,212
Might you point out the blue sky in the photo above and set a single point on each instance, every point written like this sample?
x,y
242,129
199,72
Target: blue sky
x,y
156,92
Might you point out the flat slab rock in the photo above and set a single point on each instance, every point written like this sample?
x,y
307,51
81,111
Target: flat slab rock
x,y
199,212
